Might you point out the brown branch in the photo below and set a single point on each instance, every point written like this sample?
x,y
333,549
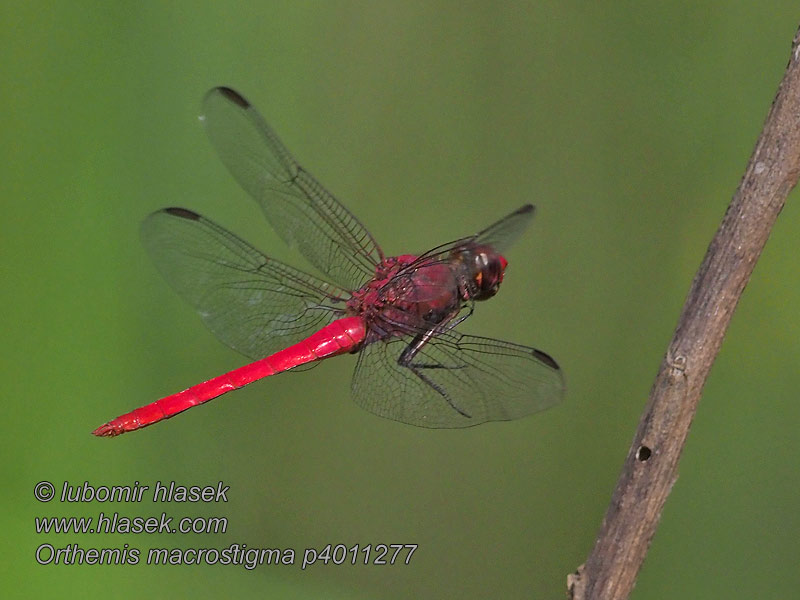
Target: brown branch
x,y
651,466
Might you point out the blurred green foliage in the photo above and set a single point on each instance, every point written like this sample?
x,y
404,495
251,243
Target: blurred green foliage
x,y
628,124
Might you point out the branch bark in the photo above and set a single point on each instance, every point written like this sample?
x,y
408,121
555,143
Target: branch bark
x,y
651,467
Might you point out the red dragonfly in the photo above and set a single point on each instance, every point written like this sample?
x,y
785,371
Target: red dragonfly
x,y
398,313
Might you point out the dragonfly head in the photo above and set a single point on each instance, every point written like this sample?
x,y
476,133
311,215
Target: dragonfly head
x,y
487,272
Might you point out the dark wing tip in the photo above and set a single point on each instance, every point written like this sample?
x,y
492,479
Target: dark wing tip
x,y
232,95
183,213
527,208
546,359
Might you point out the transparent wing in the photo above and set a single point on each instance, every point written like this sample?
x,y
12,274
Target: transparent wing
x,y
500,236
252,303
504,233
478,380
300,210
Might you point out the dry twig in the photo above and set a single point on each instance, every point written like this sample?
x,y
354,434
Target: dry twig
x,y
651,466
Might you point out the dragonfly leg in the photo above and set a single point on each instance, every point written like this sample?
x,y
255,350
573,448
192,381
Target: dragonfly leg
x,y
455,321
406,359
421,339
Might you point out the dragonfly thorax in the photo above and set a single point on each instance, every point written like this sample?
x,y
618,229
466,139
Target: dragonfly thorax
x,y
408,293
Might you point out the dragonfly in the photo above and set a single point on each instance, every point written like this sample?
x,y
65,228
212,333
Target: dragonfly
x,y
399,314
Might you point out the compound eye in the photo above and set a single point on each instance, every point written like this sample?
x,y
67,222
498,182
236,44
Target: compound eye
x,y
489,274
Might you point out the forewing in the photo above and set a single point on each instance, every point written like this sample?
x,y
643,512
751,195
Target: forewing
x,y
300,210
252,303
484,380
502,234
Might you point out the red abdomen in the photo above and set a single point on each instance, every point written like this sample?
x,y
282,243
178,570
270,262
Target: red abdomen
x,y
340,337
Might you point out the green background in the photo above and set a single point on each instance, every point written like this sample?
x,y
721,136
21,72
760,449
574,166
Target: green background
x,y
628,124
